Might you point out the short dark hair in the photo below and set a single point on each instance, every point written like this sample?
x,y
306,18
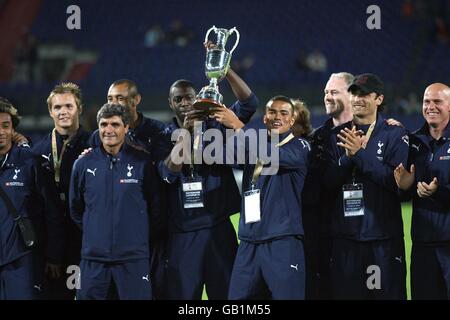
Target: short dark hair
x,y
131,85
7,107
110,110
281,98
181,83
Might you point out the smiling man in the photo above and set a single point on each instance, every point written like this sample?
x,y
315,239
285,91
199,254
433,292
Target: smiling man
x,y
59,149
366,220
428,184
116,221
270,260
25,188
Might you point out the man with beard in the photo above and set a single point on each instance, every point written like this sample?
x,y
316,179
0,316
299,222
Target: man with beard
x,y
366,219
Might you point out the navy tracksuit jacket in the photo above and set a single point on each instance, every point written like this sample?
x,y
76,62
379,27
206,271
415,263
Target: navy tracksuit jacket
x,y
430,229
74,148
221,193
281,203
114,199
375,238
270,260
431,216
27,183
382,219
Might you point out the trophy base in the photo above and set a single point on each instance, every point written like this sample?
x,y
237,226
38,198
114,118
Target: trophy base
x,y
206,105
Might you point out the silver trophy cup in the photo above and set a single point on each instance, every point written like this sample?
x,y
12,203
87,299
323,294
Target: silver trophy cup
x,y
216,68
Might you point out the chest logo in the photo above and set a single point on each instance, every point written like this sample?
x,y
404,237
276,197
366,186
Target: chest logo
x,y
16,173
380,144
92,171
129,168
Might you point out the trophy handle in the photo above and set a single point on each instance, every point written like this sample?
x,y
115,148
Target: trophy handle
x,y
213,28
237,39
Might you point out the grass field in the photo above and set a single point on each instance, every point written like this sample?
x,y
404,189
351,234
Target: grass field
x,y
406,213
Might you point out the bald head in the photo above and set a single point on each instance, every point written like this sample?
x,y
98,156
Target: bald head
x,y
436,105
438,88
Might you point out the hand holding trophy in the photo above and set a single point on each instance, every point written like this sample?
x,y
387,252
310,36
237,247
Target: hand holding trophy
x,y
216,68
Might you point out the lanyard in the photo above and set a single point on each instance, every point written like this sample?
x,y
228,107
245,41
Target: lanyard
x,y
259,164
57,161
364,145
369,133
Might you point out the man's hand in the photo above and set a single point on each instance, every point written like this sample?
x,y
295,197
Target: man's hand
x,y
19,139
403,178
425,190
209,45
393,122
193,116
53,270
351,141
226,117
85,152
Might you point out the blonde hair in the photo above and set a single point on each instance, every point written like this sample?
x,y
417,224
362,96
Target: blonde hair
x,y
66,87
302,126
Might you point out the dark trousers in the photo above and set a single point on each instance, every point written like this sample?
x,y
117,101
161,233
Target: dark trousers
x,y
198,258
372,270
430,272
273,269
130,279
19,280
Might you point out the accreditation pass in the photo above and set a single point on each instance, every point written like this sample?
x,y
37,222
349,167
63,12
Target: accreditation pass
x,y
353,199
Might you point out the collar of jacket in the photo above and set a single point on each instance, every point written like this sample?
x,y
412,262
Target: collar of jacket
x,y
424,134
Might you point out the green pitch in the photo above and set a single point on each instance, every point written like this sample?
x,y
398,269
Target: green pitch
x,y
406,212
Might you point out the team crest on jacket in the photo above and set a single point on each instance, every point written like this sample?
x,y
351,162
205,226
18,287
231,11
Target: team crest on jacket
x,y
15,183
16,172
129,168
380,144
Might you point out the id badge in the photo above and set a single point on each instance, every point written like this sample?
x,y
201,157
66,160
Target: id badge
x,y
192,190
252,206
353,199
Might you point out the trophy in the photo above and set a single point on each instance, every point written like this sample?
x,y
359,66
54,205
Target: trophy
x,y
216,68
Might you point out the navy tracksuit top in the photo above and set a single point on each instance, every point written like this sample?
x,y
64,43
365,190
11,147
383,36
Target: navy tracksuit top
x,y
280,194
220,192
27,183
114,199
373,167
74,148
431,216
